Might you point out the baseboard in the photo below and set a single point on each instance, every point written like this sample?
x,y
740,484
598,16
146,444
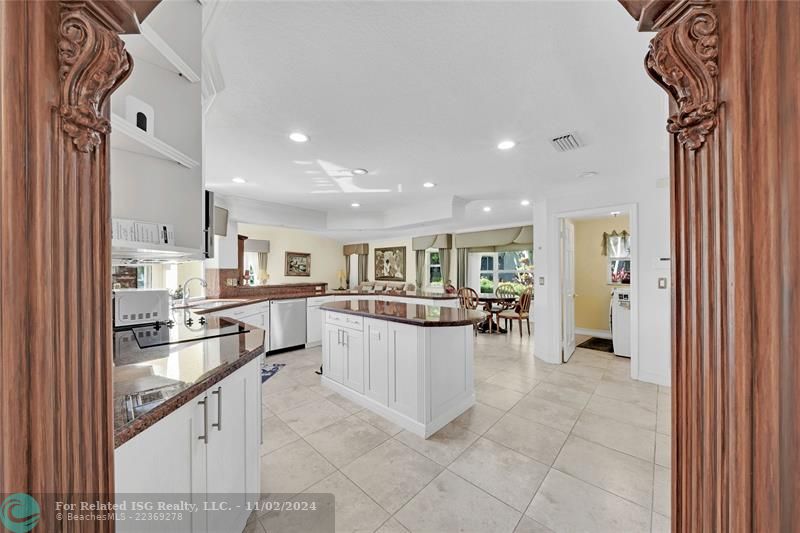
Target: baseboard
x,y
599,333
658,379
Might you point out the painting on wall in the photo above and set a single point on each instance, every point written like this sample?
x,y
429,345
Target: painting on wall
x,y
390,264
298,264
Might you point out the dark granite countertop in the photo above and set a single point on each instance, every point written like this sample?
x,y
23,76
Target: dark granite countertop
x,y
230,303
151,383
418,315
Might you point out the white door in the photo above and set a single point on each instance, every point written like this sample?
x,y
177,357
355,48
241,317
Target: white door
x,y
376,360
227,453
568,289
353,345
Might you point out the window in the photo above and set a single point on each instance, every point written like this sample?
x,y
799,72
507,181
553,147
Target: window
x,y
434,268
490,269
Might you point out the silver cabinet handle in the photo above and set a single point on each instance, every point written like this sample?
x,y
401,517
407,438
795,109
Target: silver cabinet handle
x,y
218,425
204,436
345,338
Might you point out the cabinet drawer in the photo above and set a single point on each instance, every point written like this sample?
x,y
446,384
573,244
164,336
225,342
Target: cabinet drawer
x,y
319,300
346,321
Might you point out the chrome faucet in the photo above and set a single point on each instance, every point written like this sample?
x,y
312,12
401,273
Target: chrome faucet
x,y
186,289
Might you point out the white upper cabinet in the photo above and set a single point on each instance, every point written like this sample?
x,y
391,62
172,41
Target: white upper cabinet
x,y
156,172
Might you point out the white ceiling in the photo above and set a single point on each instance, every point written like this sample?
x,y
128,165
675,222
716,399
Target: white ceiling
x,y
424,91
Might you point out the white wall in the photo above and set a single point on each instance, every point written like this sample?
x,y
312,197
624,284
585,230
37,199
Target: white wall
x,y
650,238
326,254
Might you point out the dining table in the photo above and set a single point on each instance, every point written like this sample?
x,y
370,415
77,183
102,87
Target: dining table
x,y
491,303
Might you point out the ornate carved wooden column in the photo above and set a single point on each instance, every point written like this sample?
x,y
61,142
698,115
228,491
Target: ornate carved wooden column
x,y
731,69
59,63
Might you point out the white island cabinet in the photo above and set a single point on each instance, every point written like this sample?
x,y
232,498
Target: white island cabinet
x,y
411,364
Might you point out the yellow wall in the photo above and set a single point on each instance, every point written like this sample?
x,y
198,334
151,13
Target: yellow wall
x,y
593,293
326,254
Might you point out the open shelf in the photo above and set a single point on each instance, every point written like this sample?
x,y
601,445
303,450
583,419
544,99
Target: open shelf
x,y
149,46
126,136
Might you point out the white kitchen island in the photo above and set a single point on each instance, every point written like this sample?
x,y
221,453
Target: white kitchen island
x,y
411,364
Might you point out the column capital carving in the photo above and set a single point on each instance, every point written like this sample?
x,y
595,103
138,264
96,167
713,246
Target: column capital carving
x,y
92,63
682,59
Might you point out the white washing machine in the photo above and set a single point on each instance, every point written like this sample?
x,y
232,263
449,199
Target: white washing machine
x,y
620,320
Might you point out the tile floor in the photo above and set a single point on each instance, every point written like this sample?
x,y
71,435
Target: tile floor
x,y
564,448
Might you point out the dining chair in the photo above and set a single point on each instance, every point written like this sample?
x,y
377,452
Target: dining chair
x,y
506,299
468,299
520,312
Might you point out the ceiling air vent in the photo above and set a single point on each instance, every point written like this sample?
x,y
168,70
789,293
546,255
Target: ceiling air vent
x,y
566,142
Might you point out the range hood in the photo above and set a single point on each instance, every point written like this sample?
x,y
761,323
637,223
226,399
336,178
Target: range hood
x,y
139,253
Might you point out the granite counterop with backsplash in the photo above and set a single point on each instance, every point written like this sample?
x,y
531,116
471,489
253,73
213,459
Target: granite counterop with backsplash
x,y
425,316
152,382
242,298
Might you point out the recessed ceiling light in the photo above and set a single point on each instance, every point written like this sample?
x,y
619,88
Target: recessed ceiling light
x,y
587,174
360,171
615,213
429,185
486,209
298,137
237,179
506,145
354,204
525,203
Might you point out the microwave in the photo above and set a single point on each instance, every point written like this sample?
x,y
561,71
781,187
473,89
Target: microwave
x,y
133,307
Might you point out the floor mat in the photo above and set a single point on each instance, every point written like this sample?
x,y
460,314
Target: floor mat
x,y
601,345
269,370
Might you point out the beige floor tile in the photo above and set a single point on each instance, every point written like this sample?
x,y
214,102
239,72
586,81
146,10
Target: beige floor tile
x,y
529,525
661,524
593,358
379,422
616,472
663,450
279,381
451,504
392,473
560,394
620,436
664,416
583,370
565,503
565,379
622,411
346,440
312,416
293,468
290,398
497,396
661,491
507,475
443,446
346,404
479,418
253,527
515,382
354,510
535,440
642,394
391,526
546,412
275,434
322,390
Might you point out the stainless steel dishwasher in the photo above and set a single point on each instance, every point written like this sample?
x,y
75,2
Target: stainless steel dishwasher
x,y
287,323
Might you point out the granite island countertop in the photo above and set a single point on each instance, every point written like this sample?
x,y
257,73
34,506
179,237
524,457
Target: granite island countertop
x,y
417,315
151,382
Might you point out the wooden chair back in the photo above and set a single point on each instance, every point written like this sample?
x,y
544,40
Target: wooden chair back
x,y
468,298
507,293
525,298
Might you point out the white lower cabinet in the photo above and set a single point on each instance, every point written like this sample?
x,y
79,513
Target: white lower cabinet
x,y
404,365
344,362
376,360
206,450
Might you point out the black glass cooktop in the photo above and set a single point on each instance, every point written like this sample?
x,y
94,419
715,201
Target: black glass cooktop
x,y
185,328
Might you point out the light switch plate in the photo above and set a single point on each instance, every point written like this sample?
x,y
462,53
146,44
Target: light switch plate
x,y
662,283
541,280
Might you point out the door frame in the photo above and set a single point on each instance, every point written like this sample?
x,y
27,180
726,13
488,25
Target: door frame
x,y
631,209
562,226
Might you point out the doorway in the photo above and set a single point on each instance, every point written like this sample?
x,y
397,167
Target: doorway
x,y
598,268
